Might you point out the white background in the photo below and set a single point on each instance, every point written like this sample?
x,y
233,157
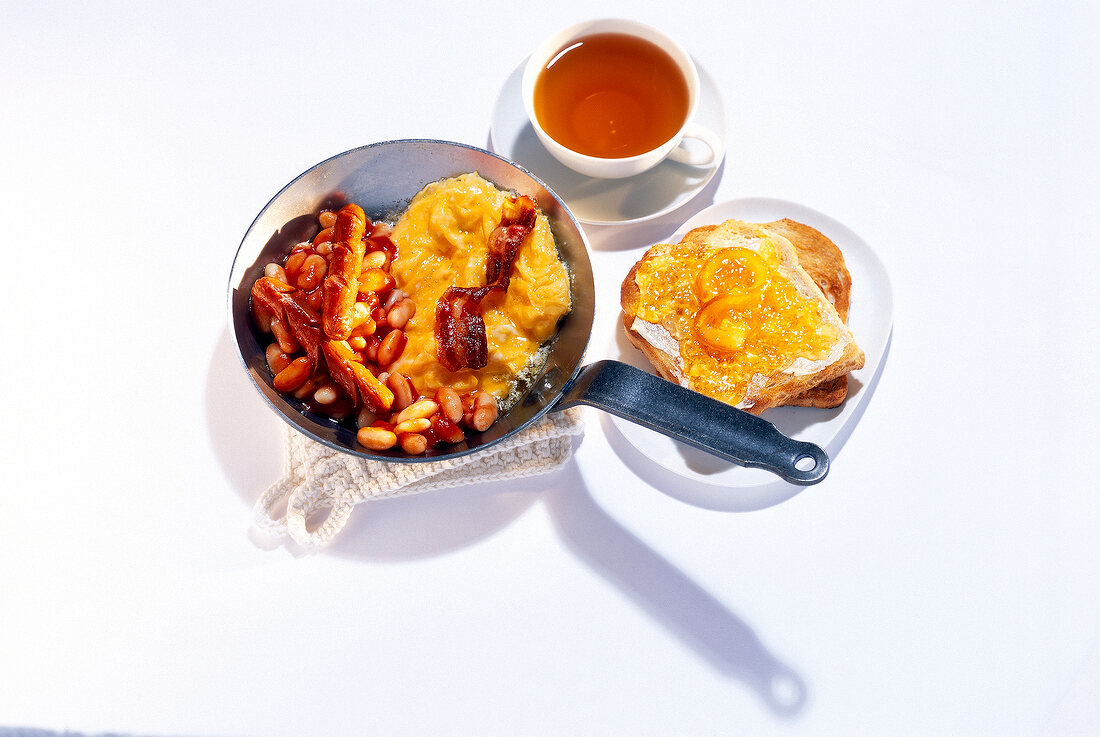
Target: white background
x,y
943,580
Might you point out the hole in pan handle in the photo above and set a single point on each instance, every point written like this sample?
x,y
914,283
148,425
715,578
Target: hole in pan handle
x,y
695,419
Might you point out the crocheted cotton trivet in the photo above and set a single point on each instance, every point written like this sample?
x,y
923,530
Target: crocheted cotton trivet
x,y
318,477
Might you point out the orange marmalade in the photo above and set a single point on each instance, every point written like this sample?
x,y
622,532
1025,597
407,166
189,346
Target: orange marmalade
x,y
736,317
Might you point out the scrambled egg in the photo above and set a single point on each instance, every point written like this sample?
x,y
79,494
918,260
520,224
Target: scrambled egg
x,y
442,242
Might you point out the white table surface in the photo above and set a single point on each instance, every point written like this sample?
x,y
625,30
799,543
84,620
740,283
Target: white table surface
x,y
943,580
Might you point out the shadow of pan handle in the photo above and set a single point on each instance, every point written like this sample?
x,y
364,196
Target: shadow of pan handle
x,y
695,419
671,597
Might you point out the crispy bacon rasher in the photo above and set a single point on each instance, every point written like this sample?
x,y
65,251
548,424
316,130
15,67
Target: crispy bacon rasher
x,y
346,367
284,302
516,223
460,337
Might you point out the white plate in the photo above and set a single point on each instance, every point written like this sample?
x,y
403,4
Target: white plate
x,y
704,480
658,191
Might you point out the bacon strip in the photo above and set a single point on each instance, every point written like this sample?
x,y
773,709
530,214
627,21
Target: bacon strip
x,y
516,223
269,291
282,301
305,325
460,338
341,285
346,367
460,328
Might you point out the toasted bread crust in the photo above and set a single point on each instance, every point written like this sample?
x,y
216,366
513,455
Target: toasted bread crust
x,y
821,259
821,269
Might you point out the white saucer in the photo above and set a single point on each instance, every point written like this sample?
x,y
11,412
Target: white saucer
x,y
658,191
706,481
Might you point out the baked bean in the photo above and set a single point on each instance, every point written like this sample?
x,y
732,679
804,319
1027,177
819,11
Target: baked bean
x,y
294,375
325,236
402,390
325,249
420,409
276,359
374,260
377,438
413,443
294,264
275,272
287,342
381,230
308,386
394,296
450,404
381,243
416,424
391,348
357,343
366,417
399,315
484,413
375,280
327,218
325,394
447,431
365,328
313,272
371,300
370,351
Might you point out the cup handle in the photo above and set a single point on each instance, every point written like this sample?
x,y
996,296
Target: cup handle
x,y
708,137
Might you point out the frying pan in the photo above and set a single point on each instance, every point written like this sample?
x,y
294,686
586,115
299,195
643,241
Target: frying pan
x,y
383,178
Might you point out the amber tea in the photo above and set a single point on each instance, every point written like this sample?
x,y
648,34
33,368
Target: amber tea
x,y
611,95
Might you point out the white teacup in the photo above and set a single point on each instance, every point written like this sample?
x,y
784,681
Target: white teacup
x,y
615,168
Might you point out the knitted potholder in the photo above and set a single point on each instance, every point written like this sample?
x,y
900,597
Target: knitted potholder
x,y
318,477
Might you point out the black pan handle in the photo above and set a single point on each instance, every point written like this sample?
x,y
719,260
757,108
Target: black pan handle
x,y
695,419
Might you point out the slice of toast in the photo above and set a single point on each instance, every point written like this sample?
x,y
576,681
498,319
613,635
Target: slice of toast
x,y
807,259
824,262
